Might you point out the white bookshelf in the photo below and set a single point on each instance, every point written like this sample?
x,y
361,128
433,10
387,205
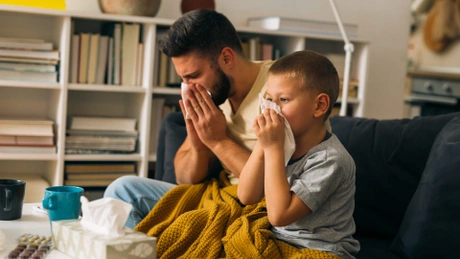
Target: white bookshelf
x,y
58,101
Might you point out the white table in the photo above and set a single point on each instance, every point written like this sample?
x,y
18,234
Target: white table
x,y
31,222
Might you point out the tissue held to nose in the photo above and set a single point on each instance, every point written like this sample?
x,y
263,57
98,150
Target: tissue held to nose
x,y
105,216
289,142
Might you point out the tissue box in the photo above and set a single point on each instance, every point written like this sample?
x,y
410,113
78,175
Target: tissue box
x,y
71,238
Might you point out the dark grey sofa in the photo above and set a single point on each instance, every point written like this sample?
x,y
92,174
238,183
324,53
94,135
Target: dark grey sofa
x,y
407,181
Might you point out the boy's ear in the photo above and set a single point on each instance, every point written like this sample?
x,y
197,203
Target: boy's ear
x,y
322,105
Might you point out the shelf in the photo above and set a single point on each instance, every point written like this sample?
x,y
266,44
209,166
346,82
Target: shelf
x,y
92,16
246,29
104,157
351,100
29,84
147,103
28,156
166,90
106,88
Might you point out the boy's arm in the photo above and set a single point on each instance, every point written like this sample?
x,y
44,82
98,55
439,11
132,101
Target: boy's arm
x,y
251,180
283,206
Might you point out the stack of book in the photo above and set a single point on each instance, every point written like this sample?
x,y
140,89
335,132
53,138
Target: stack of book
x,y
255,49
101,135
27,136
28,60
114,59
100,174
166,75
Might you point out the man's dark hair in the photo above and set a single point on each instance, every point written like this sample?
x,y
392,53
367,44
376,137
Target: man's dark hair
x,y
204,31
317,73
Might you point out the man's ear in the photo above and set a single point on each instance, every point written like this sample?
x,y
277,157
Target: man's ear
x,y
322,105
227,56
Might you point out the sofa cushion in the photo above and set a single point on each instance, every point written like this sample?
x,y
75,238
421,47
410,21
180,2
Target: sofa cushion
x,y
384,151
430,228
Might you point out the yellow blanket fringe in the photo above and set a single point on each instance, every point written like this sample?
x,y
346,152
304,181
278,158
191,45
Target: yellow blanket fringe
x,y
207,221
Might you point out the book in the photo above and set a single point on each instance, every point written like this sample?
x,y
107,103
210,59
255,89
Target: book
x,y
140,64
110,63
17,127
302,25
100,168
103,123
88,183
108,133
17,44
50,77
27,67
7,140
163,70
28,149
97,176
25,40
100,141
245,46
26,140
74,58
130,40
156,117
117,54
83,60
29,60
102,59
92,58
254,48
266,51
54,55
174,79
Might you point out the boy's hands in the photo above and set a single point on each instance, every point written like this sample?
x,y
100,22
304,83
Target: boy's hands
x,y
269,128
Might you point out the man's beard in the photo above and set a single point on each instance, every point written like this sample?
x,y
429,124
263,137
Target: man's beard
x,y
221,89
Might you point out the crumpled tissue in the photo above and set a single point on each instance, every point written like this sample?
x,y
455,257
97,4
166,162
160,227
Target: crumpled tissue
x,y
183,87
289,142
106,216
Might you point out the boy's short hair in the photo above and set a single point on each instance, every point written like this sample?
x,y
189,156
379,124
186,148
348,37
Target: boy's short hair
x,y
205,31
316,72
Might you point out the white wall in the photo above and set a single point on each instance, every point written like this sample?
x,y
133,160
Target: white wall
x,y
385,23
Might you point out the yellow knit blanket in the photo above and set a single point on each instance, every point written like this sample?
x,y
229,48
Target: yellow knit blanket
x,y
207,221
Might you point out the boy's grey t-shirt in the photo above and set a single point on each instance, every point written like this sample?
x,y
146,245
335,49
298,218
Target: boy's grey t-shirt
x,y
325,180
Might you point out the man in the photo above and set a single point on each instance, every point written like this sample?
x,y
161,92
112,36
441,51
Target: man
x,y
207,54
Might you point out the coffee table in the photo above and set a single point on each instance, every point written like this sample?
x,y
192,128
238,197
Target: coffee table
x,y
31,222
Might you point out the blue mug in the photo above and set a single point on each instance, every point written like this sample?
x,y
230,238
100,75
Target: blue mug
x,y
62,202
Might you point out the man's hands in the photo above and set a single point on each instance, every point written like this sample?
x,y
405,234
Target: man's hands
x,y
207,125
269,128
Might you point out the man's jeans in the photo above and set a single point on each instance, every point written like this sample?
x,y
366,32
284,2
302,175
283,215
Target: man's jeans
x,y
142,193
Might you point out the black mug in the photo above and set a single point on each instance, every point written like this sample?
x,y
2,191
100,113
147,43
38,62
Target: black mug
x,y
11,198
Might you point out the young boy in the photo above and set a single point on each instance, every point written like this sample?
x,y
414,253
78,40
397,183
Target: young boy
x,y
310,201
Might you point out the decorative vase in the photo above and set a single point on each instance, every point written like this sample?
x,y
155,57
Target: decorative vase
x,y
130,7
189,5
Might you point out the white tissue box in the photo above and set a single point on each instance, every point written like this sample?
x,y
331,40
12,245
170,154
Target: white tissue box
x,y
70,238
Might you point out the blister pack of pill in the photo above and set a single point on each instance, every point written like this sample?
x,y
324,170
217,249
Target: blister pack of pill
x,y
31,246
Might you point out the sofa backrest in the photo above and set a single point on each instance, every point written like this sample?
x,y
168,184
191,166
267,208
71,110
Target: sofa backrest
x,y
390,156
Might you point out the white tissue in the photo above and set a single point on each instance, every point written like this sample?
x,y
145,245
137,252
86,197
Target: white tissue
x,y
183,87
106,216
2,240
289,142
